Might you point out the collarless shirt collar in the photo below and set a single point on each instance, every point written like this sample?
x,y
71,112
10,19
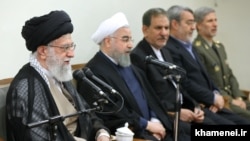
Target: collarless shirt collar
x,y
157,53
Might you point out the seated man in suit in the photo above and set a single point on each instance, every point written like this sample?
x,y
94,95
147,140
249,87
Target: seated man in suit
x,y
142,109
197,82
214,57
156,32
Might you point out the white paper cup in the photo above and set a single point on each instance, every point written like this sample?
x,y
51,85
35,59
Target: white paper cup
x,y
123,137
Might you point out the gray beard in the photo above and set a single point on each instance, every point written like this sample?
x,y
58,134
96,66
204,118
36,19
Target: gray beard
x,y
124,60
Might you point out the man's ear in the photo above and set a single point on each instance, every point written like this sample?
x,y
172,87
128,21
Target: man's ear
x,y
197,26
107,41
174,24
42,51
144,30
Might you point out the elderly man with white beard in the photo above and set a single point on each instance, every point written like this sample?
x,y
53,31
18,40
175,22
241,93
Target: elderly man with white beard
x,y
42,89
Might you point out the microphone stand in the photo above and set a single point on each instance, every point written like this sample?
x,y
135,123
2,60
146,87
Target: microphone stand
x,y
175,81
103,101
52,121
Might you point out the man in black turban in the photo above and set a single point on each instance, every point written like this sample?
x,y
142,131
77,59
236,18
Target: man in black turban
x,y
42,88
41,30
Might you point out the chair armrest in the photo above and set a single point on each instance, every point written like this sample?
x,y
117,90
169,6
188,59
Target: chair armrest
x,y
78,66
247,93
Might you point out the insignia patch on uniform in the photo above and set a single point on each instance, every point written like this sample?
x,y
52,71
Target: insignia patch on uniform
x,y
206,46
198,43
216,68
217,44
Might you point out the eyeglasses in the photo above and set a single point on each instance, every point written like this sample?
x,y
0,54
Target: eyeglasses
x,y
125,39
65,48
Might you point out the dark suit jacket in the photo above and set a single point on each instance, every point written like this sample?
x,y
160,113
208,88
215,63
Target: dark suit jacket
x,y
163,87
104,69
197,82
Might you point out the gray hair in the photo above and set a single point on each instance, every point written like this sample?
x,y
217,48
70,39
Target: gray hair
x,y
175,11
201,12
153,12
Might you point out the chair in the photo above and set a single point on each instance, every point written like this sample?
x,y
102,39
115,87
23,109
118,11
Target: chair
x,y
4,86
77,66
135,139
247,93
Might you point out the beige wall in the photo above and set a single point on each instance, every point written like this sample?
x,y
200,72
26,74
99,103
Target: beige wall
x,y
86,16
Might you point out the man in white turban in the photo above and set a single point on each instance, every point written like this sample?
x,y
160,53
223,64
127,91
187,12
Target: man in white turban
x,y
109,26
141,108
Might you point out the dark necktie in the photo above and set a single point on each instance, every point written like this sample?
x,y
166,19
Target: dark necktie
x,y
215,50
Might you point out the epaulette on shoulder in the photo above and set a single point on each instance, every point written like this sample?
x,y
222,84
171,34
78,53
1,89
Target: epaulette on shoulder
x,y
217,42
197,43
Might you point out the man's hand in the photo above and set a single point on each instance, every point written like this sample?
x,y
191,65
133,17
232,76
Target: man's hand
x,y
239,102
218,100
157,129
213,108
198,115
103,138
186,115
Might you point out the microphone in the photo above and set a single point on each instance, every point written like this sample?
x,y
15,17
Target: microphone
x,y
90,75
79,75
166,65
152,60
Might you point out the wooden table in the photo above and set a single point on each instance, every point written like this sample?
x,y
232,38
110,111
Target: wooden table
x,y
135,139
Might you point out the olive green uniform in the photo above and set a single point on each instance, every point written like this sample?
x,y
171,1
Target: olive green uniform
x,y
215,60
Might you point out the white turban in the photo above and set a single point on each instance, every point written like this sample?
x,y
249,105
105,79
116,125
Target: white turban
x,y
109,26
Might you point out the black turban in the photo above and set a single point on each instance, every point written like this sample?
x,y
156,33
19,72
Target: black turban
x,y
44,29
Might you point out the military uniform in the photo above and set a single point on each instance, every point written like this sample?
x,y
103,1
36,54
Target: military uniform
x,y
215,60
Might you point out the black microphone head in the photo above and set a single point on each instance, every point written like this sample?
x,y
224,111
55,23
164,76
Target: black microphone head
x,y
78,74
148,58
88,72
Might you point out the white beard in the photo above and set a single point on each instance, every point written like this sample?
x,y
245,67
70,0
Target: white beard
x,y
59,70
